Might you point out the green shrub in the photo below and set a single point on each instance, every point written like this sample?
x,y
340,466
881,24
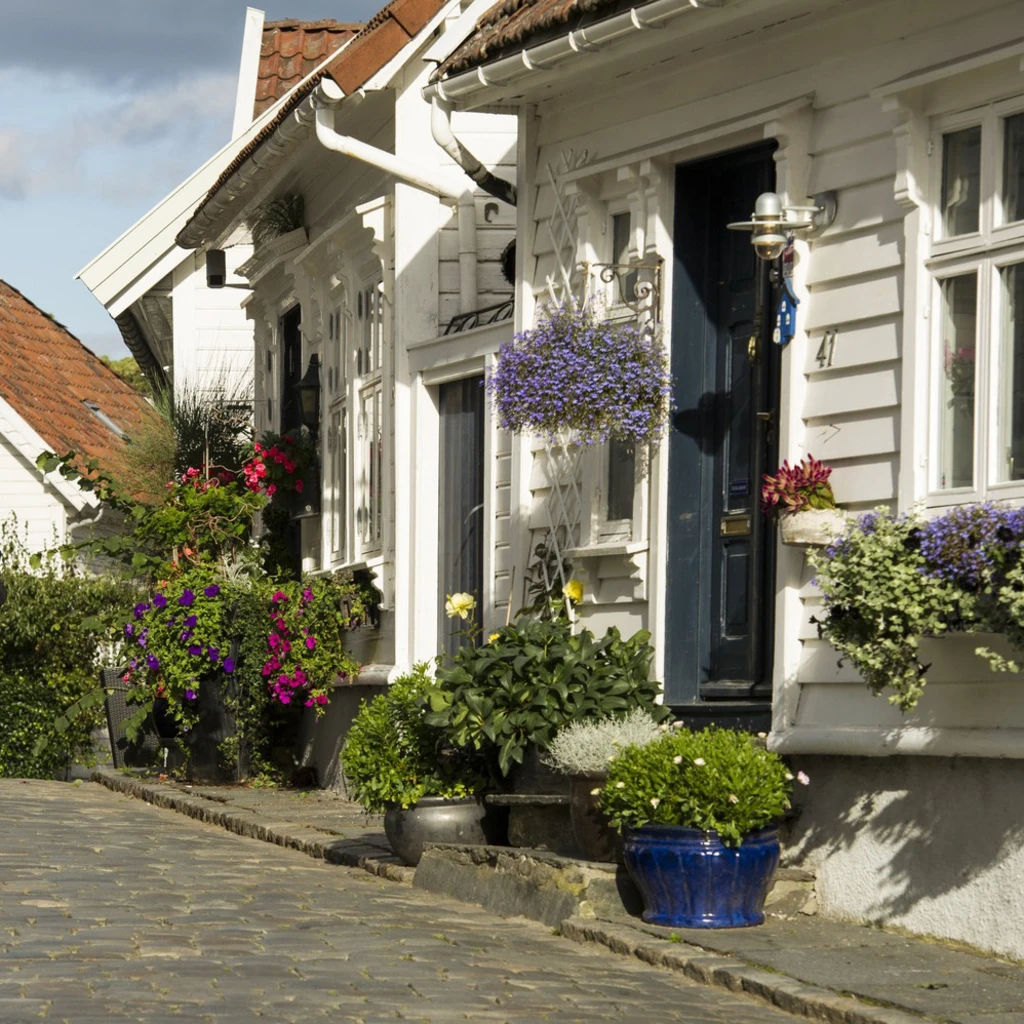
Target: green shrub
x,y
53,626
715,780
392,756
532,678
587,747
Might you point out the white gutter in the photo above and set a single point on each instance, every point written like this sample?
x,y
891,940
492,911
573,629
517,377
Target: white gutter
x,y
248,71
326,98
556,52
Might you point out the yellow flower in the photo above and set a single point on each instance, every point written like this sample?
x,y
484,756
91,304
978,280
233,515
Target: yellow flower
x,y
493,637
573,591
460,605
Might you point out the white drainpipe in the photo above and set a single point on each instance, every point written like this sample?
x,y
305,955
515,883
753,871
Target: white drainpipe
x,y
441,129
425,178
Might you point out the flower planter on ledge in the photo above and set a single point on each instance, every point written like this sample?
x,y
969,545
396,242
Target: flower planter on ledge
x,y
812,527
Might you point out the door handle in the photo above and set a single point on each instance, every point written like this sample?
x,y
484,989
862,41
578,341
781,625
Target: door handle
x,y
752,350
766,416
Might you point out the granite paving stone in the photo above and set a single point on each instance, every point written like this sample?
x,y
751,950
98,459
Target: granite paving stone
x,y
144,915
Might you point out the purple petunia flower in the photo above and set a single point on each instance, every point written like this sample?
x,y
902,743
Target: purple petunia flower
x,y
195,650
140,609
190,695
212,590
159,601
152,661
229,665
190,622
129,630
214,654
186,599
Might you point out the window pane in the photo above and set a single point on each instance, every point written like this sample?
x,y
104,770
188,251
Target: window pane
x,y
961,181
1013,170
621,479
1011,374
620,255
956,391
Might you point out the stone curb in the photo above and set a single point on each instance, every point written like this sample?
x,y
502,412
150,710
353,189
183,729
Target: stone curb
x,y
306,840
714,969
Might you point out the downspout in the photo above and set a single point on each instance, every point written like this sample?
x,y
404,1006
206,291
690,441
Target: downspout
x,y
441,129
424,178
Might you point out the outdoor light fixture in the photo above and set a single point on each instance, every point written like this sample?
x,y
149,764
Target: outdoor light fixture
x,y
308,392
771,223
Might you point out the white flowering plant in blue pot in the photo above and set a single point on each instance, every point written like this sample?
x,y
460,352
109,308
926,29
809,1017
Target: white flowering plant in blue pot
x,y
576,376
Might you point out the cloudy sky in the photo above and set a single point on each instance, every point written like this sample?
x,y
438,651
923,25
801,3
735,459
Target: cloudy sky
x,y
105,105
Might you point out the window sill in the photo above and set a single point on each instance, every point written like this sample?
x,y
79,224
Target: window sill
x,y
615,547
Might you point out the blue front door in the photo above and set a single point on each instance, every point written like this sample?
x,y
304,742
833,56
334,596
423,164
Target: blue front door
x,y
720,597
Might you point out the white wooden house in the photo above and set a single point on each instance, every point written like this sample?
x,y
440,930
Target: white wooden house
x,y
389,286
643,131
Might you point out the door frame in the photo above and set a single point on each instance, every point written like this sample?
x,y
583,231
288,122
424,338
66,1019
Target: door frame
x,y
691,625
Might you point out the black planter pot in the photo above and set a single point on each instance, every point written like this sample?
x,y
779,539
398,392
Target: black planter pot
x,y
539,815
594,835
436,819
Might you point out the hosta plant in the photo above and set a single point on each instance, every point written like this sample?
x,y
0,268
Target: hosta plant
x,y
576,375
798,488
715,780
392,756
588,747
534,677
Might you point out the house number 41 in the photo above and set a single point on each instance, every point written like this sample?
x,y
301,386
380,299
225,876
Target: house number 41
x,y
827,348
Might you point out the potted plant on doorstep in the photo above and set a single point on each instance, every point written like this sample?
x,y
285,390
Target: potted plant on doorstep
x,y
801,496
584,751
398,765
506,699
698,813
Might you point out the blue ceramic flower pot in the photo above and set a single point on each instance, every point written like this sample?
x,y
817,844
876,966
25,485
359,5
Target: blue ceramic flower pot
x,y
691,879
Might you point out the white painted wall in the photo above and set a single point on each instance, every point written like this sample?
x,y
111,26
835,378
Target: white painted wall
x,y
41,515
213,340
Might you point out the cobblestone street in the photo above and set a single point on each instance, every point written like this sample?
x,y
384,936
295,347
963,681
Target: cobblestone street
x,y
114,910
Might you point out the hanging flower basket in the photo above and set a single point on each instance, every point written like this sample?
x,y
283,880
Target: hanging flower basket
x,y
577,375
814,527
802,497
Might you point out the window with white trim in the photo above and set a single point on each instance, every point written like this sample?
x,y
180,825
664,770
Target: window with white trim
x,y
370,423
977,322
338,360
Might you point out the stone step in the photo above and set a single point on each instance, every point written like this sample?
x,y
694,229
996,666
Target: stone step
x,y
516,882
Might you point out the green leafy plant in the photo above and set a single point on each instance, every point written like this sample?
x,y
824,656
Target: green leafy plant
x,y
532,678
715,780
588,747
277,217
393,756
54,627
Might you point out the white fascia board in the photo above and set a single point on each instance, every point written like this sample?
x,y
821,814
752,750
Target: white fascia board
x,y
148,280
24,439
458,32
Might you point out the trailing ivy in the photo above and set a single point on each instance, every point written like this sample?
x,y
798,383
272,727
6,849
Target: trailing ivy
x,y
891,580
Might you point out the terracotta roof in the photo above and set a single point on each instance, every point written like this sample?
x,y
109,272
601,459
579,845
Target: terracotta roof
x,y
511,25
377,42
291,50
47,375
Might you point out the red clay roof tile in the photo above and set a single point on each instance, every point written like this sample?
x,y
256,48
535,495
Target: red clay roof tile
x,y
291,50
47,375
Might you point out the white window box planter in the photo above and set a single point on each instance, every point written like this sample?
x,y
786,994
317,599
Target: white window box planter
x,y
812,527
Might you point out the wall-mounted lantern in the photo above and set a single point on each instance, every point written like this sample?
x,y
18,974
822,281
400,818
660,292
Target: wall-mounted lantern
x,y
771,223
308,394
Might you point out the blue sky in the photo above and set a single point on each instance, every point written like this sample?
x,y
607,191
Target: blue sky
x,y
105,106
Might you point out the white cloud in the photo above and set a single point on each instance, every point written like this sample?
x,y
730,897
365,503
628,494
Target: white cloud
x,y
13,170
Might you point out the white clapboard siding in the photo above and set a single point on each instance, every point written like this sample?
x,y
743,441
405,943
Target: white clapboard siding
x,y
39,516
856,345
852,391
854,436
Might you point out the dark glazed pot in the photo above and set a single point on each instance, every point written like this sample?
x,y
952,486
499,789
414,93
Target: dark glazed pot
x,y
539,816
436,819
691,879
595,837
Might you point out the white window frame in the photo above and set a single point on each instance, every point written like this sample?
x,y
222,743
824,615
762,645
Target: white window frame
x,y
987,252
339,429
368,388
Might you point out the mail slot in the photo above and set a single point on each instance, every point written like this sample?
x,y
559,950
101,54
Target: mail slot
x,y
735,526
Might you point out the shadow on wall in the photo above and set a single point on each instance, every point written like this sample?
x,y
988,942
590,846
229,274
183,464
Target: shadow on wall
x,y
921,828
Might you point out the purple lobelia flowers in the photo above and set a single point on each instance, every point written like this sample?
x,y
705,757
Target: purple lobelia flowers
x,y
576,373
